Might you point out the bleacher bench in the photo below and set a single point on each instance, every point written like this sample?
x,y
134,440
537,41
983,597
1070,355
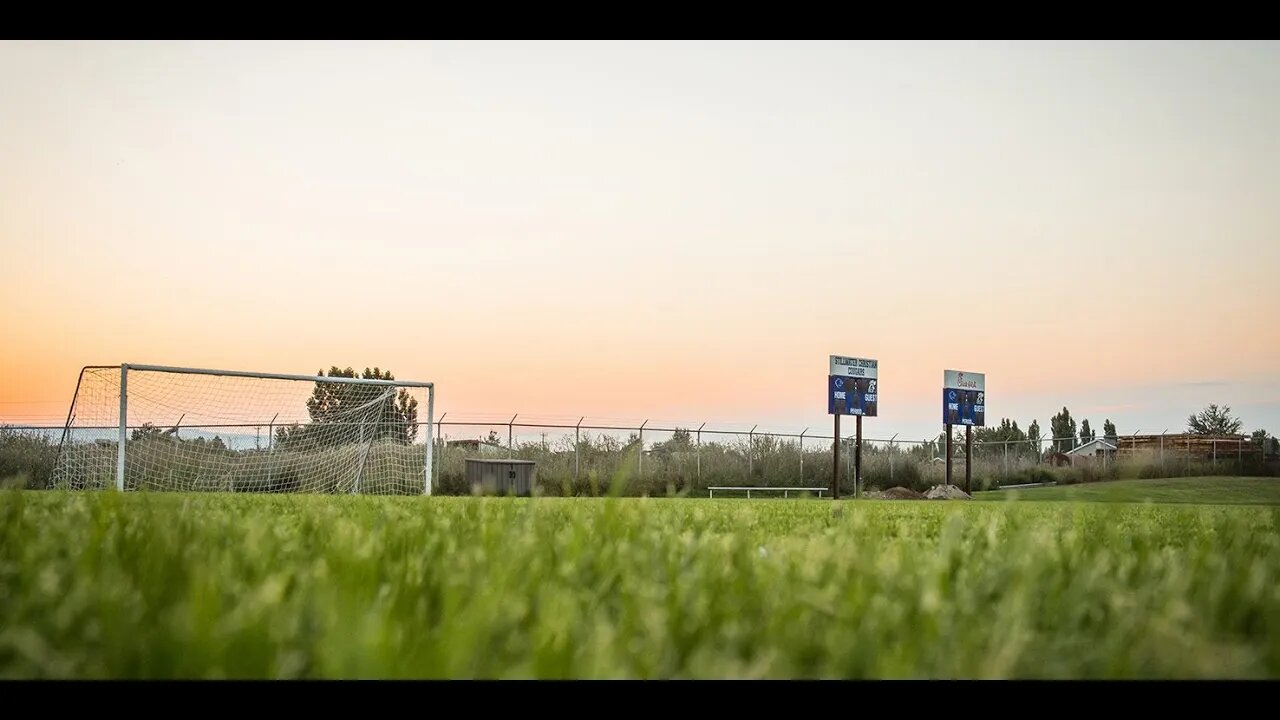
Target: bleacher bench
x,y
785,490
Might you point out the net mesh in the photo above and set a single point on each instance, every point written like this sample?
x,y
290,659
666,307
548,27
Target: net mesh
x,y
193,431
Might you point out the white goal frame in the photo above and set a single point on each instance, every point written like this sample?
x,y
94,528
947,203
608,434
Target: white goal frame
x,y
427,479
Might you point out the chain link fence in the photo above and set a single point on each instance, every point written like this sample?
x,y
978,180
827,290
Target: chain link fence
x,y
584,456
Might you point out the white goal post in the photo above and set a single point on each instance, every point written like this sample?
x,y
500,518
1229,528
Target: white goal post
x,y
155,427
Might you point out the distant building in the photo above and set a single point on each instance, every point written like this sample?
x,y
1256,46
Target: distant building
x,y
1096,449
1205,447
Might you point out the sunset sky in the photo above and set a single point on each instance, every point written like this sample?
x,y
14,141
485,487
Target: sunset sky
x,y
677,231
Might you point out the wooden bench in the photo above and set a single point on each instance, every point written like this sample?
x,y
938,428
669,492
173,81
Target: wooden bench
x,y
785,490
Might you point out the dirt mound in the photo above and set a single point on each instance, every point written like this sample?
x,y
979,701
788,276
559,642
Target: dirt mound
x,y
898,493
947,492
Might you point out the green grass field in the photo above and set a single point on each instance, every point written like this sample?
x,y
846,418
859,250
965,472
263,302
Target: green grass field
x,y
1195,490
158,585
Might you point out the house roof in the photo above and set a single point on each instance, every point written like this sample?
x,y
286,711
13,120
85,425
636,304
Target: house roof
x,y
1096,441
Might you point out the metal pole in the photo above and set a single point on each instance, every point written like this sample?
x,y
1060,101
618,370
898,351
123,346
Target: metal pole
x,y
968,459
640,465
751,450
698,453
431,414
271,433
124,412
835,472
277,376
857,455
895,436
577,430
440,455
802,432
364,454
947,480
509,426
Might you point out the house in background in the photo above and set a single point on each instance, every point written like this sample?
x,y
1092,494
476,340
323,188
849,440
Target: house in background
x,y
1094,450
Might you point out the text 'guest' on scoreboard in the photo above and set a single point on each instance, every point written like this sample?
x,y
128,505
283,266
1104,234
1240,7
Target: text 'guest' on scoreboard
x,y
964,398
852,386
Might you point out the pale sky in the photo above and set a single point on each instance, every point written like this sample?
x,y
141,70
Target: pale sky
x,y
678,230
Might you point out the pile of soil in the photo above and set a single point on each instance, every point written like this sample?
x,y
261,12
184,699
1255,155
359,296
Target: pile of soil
x,y
947,492
897,493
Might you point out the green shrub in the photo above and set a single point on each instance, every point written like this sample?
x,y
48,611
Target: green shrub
x,y
28,455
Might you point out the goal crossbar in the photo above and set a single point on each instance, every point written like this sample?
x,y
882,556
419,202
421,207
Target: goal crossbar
x,y
271,376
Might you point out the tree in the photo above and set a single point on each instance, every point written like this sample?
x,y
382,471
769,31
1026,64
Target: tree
x,y
345,413
1109,432
1002,440
1006,431
1214,421
1064,431
1263,439
1086,435
150,432
1033,436
681,440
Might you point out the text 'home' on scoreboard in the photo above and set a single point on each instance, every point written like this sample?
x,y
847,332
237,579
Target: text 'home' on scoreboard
x,y
852,386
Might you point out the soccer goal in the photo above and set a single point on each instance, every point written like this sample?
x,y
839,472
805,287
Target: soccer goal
x,y
149,427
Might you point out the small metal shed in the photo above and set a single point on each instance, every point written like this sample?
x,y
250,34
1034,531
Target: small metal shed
x,y
501,477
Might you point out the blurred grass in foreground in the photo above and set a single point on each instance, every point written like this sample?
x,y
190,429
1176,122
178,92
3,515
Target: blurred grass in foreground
x,y
105,585
1194,490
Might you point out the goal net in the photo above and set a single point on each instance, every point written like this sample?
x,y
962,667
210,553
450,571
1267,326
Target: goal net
x,y
145,427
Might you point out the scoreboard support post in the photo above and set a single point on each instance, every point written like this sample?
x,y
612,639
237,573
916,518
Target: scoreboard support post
x,y
857,458
947,480
835,471
964,402
852,389
968,459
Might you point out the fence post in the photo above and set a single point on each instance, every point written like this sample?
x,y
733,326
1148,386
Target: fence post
x,y
751,451
895,436
124,413
802,432
509,426
440,453
577,434
640,464
697,455
848,463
